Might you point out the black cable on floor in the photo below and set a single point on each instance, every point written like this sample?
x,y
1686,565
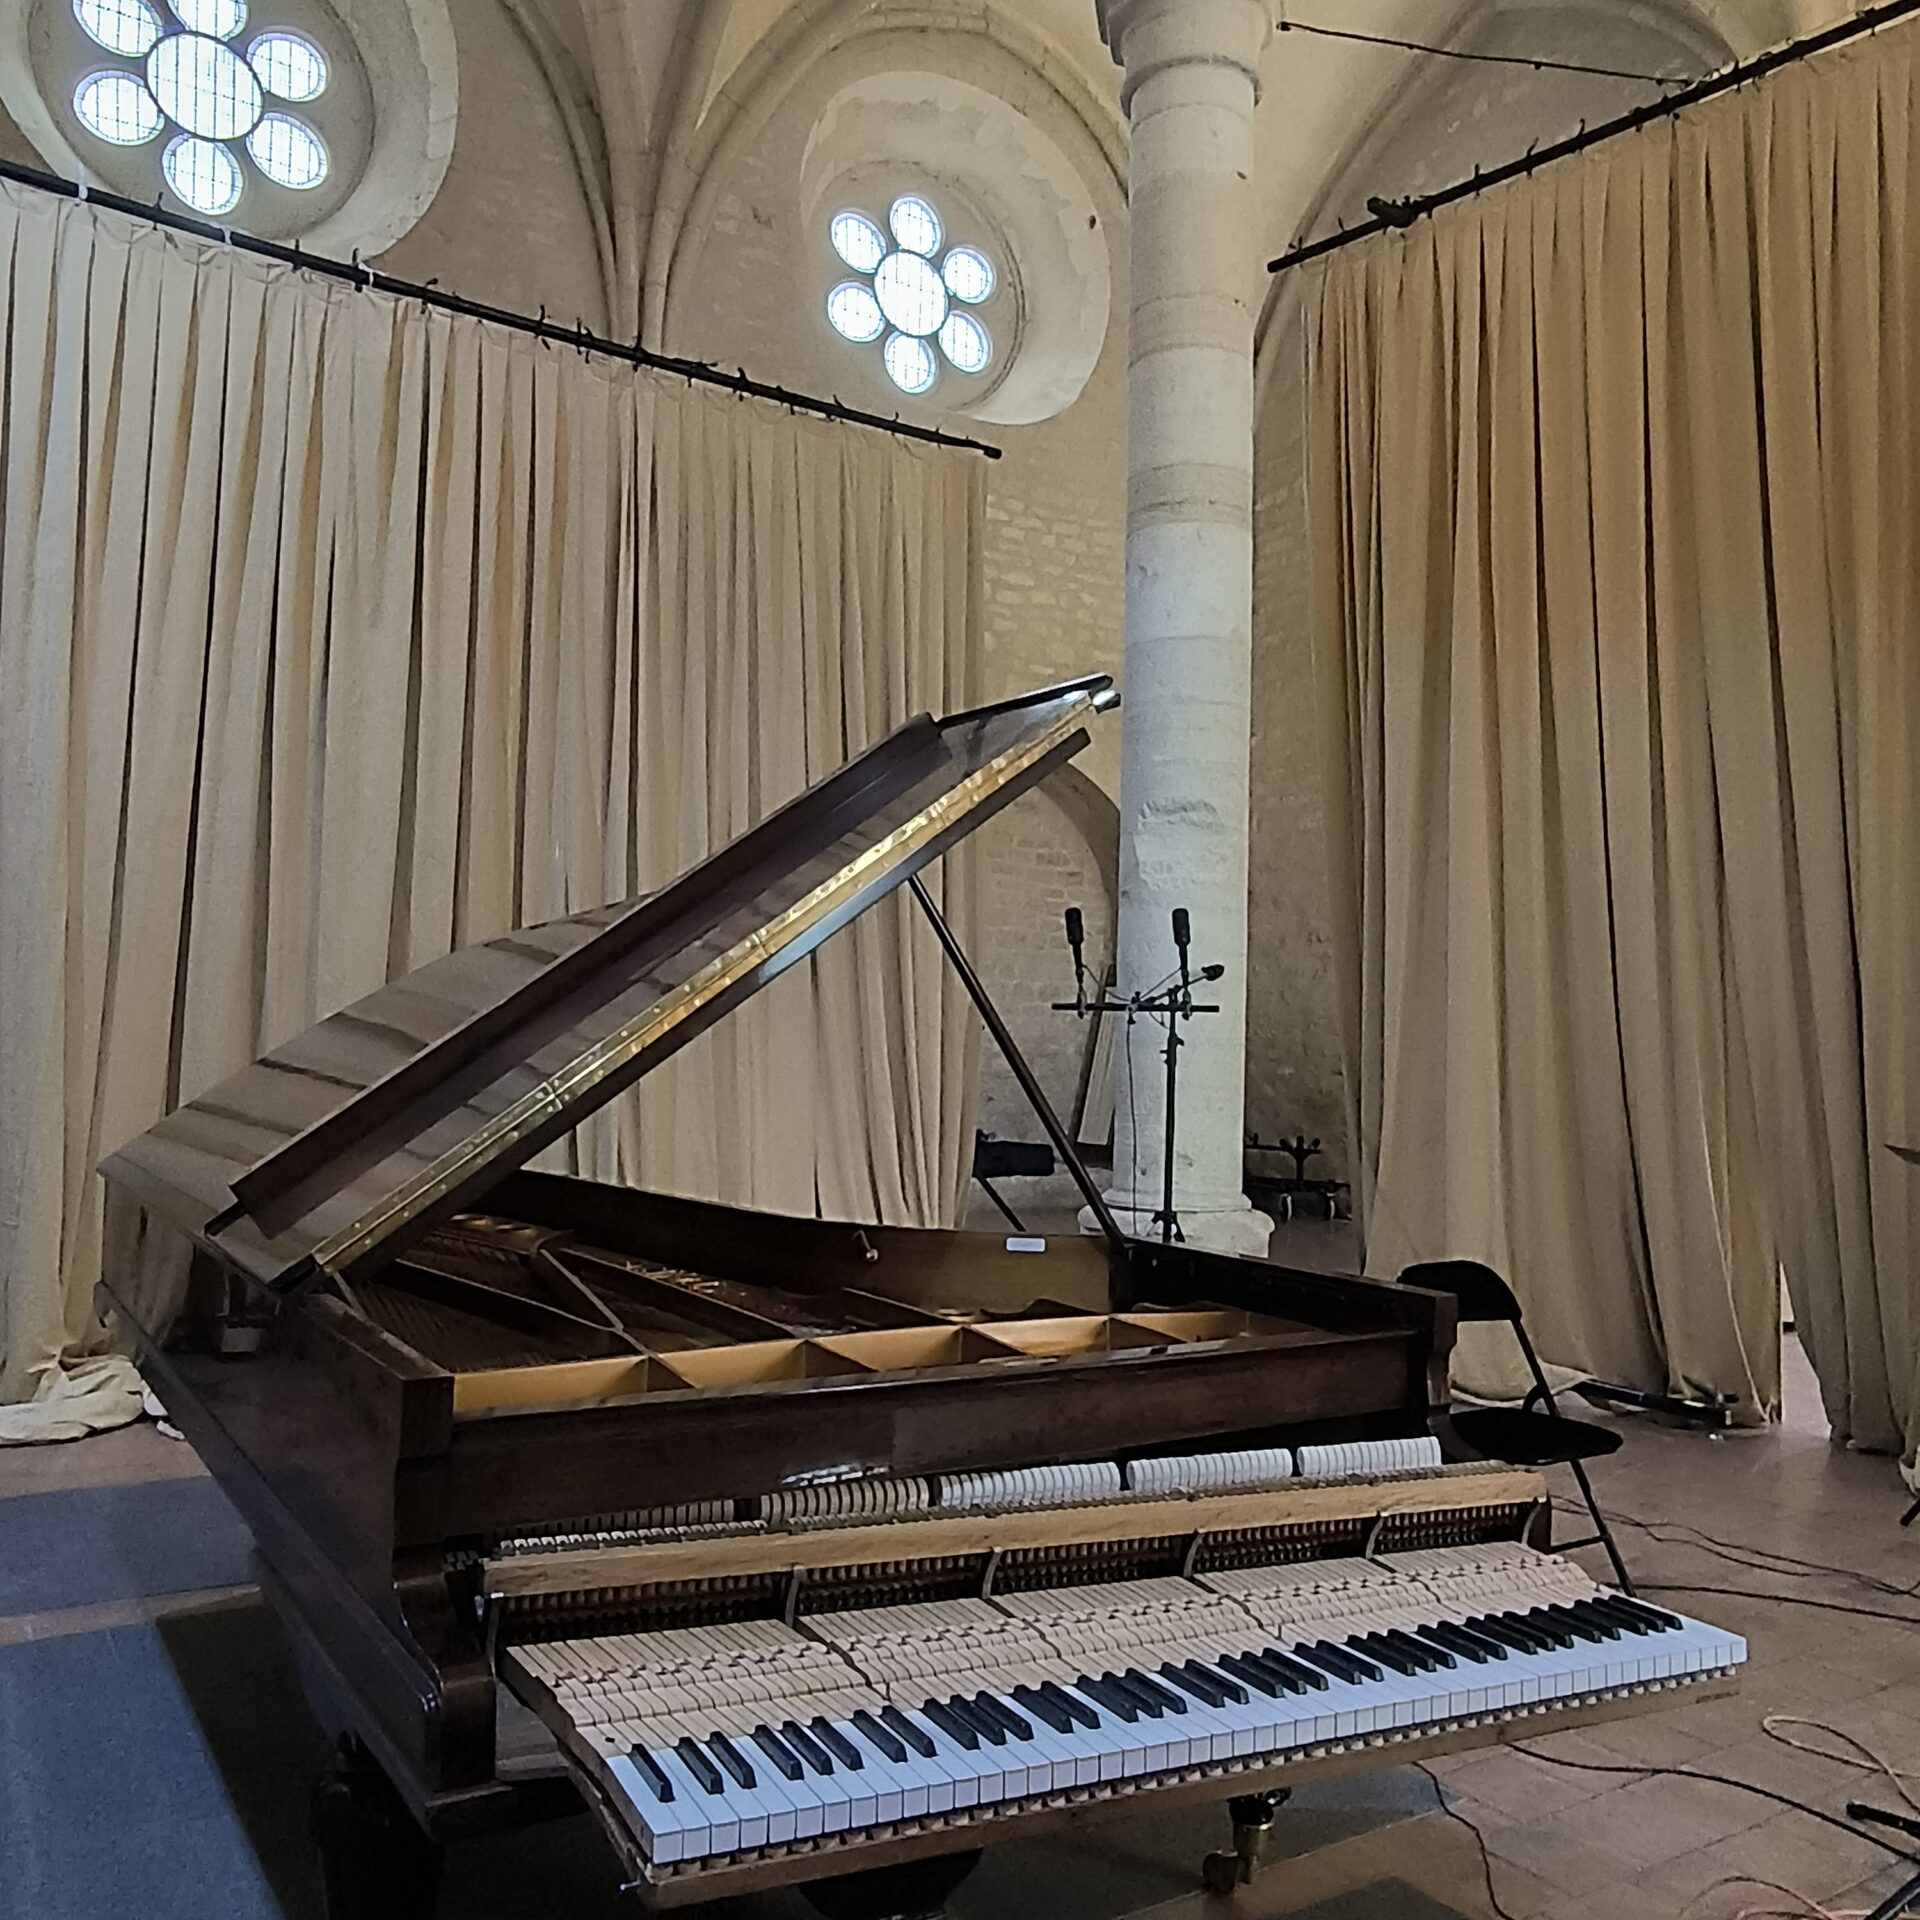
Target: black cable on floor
x,y
1785,1599
1755,1559
1479,1839
1718,1780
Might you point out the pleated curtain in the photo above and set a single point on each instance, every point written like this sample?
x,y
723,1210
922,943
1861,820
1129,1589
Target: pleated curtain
x,y
335,633
1613,487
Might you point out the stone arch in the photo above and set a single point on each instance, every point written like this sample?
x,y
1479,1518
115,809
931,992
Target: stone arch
x,y
697,161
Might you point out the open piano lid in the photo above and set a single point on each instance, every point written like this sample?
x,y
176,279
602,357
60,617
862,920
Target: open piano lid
x,y
336,1151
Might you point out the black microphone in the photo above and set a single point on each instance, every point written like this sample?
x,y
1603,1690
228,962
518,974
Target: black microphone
x,y
1182,932
1214,972
1076,940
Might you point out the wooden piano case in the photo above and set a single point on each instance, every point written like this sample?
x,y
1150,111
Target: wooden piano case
x,y
399,1348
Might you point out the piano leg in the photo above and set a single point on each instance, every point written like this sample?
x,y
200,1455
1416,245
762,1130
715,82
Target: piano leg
x,y
914,1890
375,1862
1252,1815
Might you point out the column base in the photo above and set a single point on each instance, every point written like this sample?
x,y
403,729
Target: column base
x,y
1231,1226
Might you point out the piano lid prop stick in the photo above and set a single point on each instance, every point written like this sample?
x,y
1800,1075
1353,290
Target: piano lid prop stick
x,y
1010,1052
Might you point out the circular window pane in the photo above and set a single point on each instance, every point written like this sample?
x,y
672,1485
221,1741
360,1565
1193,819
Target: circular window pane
x,y
910,363
858,241
289,65
222,17
966,343
121,26
204,86
910,293
915,224
116,107
203,173
968,274
854,313
288,151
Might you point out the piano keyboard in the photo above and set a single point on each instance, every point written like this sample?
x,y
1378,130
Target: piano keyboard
x,y
733,1739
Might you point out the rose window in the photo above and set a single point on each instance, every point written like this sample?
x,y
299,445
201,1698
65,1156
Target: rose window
x,y
220,96
910,296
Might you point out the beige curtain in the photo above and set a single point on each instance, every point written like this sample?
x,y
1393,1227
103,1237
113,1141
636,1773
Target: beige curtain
x,y
1613,489
335,632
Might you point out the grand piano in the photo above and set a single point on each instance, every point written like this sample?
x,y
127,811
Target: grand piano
x,y
804,1551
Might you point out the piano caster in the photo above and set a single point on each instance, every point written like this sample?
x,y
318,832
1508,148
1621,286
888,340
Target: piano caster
x,y
375,1862
1252,1815
915,1890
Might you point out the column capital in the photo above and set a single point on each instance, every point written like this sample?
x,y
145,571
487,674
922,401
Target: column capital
x,y
1149,36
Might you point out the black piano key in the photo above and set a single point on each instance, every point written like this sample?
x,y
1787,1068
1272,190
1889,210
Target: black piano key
x,y
915,1737
1418,1646
1116,1700
1359,1667
877,1736
735,1762
1070,1704
1622,1617
648,1769
1469,1645
1325,1660
785,1763
1608,1629
991,1703
1138,1695
1300,1676
1210,1689
836,1743
1659,1620
1042,1709
1581,1629
1242,1667
1204,1688
705,1773
1168,1699
1541,1621
985,1725
1388,1655
806,1746
1513,1638
950,1723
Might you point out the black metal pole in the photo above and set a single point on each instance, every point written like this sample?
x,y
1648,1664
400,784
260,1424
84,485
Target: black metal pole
x,y
1022,1072
1403,213
697,372
1167,1215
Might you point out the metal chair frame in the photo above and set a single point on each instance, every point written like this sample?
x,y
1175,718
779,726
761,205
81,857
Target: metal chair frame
x,y
1483,1296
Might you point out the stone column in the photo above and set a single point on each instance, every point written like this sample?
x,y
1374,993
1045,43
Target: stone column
x,y
1191,81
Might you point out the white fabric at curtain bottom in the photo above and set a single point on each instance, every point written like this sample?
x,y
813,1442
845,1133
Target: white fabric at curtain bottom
x,y
335,632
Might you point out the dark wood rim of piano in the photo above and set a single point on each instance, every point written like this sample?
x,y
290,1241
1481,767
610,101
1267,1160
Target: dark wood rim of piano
x,y
533,1462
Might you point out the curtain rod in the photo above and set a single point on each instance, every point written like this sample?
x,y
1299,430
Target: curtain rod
x,y
355,273
1389,215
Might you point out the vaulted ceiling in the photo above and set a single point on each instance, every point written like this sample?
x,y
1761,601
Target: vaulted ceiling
x,y
642,82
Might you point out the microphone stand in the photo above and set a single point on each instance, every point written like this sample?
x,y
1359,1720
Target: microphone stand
x,y
1169,999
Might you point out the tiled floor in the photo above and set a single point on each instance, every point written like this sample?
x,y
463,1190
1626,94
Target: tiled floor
x,y
1562,1844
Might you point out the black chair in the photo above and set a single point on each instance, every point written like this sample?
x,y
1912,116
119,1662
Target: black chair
x,y
1535,1433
